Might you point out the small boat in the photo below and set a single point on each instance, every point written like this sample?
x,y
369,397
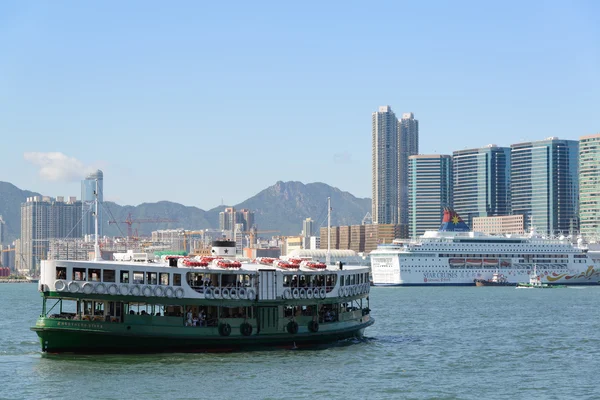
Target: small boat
x,y
535,282
498,279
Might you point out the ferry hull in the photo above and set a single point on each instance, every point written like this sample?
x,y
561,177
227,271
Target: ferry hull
x,y
88,341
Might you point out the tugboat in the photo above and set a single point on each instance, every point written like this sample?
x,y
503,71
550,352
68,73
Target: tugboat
x,y
498,279
535,282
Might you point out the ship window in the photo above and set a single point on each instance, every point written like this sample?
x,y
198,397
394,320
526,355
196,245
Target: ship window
x,y
176,279
138,277
94,275
108,275
61,273
164,278
79,274
124,276
151,278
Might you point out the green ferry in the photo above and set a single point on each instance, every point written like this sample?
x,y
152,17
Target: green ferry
x,y
138,304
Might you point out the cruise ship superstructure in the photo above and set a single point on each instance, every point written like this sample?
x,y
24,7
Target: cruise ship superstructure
x,y
456,256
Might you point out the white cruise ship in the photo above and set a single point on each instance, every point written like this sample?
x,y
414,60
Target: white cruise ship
x,y
455,256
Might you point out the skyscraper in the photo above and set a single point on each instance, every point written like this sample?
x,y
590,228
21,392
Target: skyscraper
x,y
385,166
88,188
429,191
589,187
408,145
307,227
545,185
481,182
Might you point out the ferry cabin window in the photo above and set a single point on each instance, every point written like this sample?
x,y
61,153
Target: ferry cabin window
x,y
61,273
164,278
94,275
176,279
151,278
124,276
108,275
79,274
138,277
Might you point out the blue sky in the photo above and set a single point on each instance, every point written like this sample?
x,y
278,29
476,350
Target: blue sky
x,y
198,102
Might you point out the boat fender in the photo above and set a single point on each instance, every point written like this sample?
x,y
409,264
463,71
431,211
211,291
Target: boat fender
x,y
124,290
179,293
88,288
251,294
60,285
225,293
246,329
224,329
322,293
296,293
135,290
100,288
159,291
302,293
292,327
313,326
208,293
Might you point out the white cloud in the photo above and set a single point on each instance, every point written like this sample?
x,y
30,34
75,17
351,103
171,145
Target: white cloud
x,y
58,167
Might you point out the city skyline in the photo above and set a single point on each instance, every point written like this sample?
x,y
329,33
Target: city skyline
x,y
152,95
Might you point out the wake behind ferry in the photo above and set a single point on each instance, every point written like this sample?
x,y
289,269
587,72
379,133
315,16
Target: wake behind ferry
x,y
455,256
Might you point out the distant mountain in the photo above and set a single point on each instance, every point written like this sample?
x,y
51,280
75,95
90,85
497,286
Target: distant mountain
x,y
11,198
280,207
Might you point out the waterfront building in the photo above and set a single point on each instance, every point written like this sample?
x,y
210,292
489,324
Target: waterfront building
x,y
499,225
88,198
44,218
384,166
589,187
408,145
545,184
335,237
430,190
481,182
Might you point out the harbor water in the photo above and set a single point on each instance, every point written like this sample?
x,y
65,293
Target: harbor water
x,y
434,342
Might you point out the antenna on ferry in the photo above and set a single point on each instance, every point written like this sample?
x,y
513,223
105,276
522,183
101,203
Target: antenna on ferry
x,y
328,256
97,256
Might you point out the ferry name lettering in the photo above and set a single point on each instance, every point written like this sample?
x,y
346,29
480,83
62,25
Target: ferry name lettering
x,y
440,275
79,325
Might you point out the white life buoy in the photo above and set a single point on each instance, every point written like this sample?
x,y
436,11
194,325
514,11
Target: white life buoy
x,y
169,292
225,293
207,293
147,291
113,289
100,288
233,293
124,290
302,293
309,293
287,294
296,293
242,293
251,294
60,285
341,292
179,293
74,287
216,293
135,290
322,293
159,291
87,288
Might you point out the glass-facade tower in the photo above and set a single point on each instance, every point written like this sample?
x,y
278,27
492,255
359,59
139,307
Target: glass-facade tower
x,y
385,166
481,182
589,187
408,145
88,188
429,191
545,185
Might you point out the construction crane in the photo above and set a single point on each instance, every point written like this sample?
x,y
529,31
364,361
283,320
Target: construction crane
x,y
189,233
130,221
252,234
